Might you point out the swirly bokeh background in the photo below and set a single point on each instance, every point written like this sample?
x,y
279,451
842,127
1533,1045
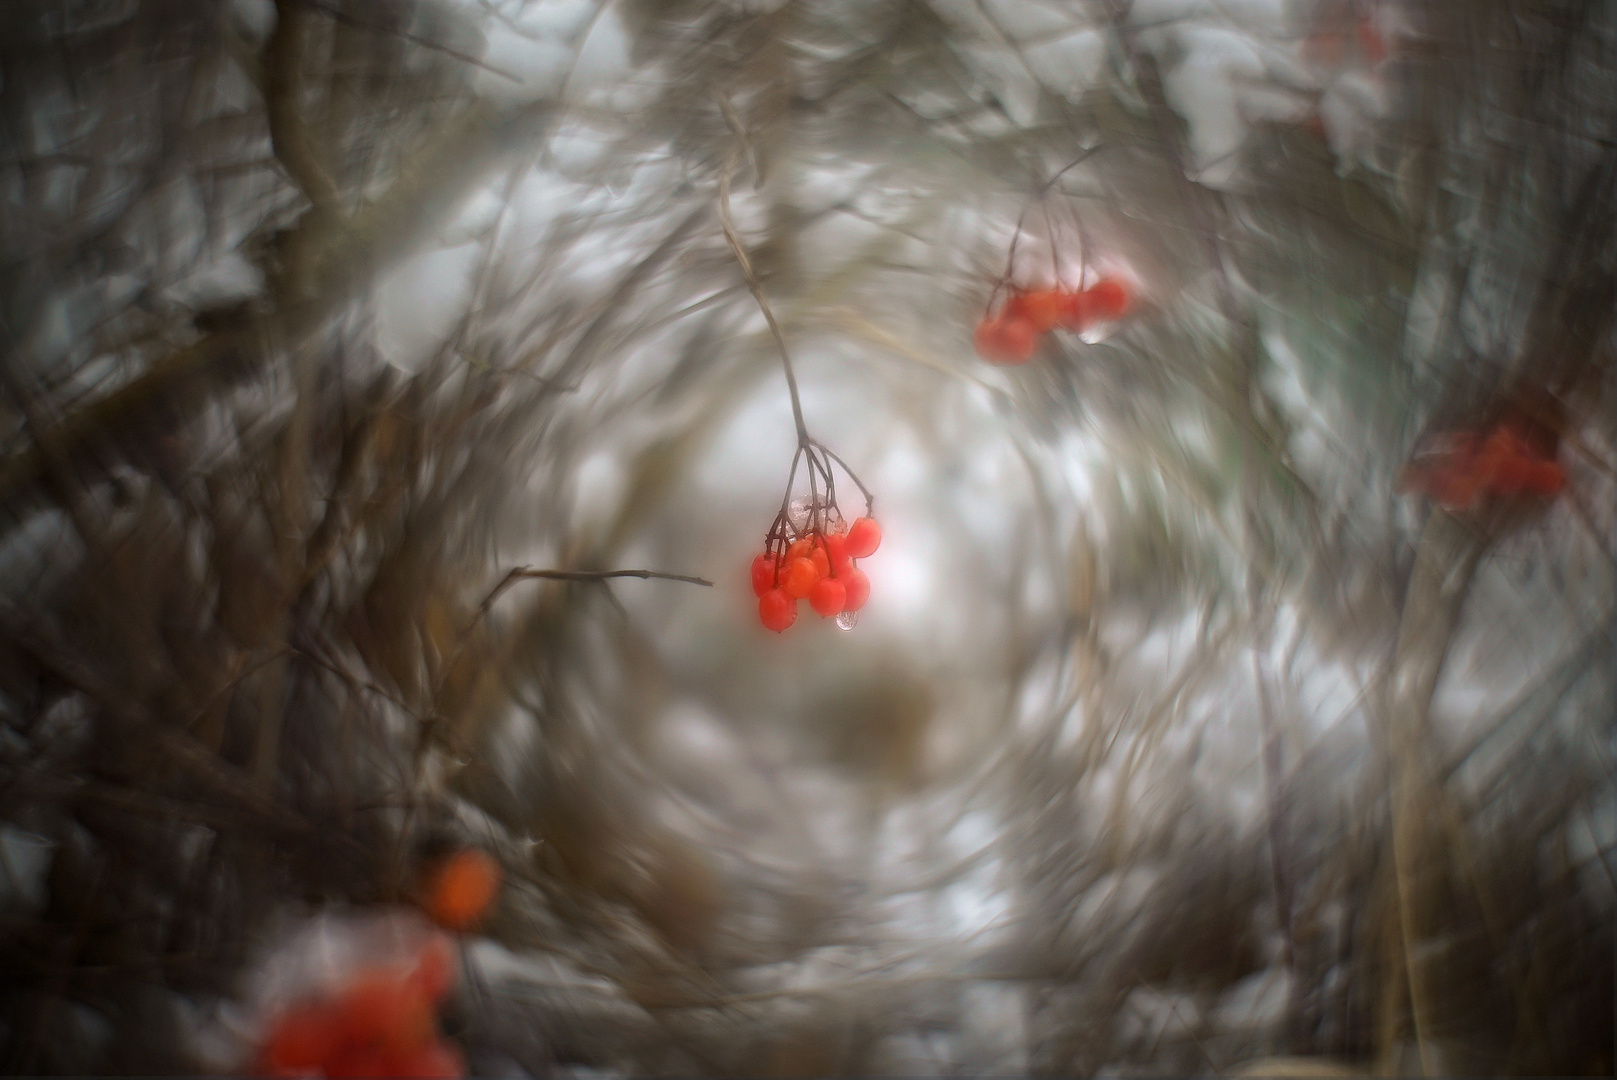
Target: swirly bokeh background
x,y
1193,724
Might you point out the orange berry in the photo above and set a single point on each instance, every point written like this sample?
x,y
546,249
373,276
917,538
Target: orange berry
x,y
828,597
863,538
798,578
800,548
763,573
776,610
461,889
857,589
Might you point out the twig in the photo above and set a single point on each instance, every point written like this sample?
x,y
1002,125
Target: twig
x,y
415,39
522,573
729,226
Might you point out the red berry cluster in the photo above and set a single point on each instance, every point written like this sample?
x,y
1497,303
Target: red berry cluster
x,y
383,1023
1011,335
1460,470
817,564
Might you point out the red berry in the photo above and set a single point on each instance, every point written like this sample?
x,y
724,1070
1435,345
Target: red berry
x,y
798,578
828,597
763,573
836,544
863,538
1107,298
435,968
358,1061
1454,488
857,587
1006,340
300,1041
1041,309
386,1010
821,561
776,610
1546,478
437,1060
1076,311
1371,43
800,548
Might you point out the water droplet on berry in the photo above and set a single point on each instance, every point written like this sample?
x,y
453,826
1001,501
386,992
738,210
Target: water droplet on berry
x,y
847,620
797,514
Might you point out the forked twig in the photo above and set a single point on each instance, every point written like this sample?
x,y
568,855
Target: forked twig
x,y
523,573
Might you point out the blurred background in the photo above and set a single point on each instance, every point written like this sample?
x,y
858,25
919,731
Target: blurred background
x,y
1195,724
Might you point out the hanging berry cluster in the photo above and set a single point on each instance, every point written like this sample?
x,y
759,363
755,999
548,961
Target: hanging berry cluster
x,y
811,552
1011,335
1461,470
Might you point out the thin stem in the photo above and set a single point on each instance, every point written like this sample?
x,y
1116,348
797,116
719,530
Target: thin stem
x,y
522,573
758,294
1044,189
870,500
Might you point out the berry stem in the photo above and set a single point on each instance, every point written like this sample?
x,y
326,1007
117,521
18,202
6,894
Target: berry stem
x,y
1010,255
758,294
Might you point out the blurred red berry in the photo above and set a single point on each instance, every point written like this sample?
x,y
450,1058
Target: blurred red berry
x,y
358,1061
1006,340
763,573
828,597
385,1010
1075,313
461,888
857,589
776,610
300,1041
1107,299
864,537
435,968
437,1060
1371,44
1041,309
1546,478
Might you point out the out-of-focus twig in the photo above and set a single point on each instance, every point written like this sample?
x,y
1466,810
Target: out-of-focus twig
x,y
289,133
